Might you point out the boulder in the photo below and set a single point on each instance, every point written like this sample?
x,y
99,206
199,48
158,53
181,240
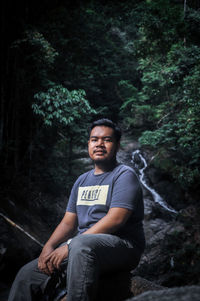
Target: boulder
x,y
114,286
185,293
156,263
140,285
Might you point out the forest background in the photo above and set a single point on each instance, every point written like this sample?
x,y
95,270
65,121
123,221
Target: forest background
x,y
67,63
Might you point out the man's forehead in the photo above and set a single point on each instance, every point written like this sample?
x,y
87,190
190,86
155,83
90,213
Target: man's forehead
x,y
102,131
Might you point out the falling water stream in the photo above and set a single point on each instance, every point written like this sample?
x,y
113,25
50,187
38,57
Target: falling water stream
x,y
157,198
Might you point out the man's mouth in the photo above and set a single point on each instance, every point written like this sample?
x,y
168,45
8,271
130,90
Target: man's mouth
x,y
99,152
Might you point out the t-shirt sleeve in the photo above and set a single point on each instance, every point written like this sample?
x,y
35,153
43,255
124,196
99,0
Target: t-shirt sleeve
x,y
127,191
71,206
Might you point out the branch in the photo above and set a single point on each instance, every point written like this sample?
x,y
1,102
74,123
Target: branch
x,y
21,229
159,121
62,136
153,157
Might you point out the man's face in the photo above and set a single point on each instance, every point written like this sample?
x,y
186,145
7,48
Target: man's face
x,y
102,145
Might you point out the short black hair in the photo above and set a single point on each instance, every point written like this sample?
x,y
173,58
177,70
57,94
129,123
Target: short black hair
x,y
109,123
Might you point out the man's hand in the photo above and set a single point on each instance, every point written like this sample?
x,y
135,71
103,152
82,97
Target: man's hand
x,y
57,256
43,263
50,258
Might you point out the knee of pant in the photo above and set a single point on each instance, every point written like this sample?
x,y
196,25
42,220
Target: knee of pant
x,y
80,243
26,271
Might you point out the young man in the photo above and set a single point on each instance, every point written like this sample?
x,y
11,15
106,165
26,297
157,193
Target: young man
x,y
107,207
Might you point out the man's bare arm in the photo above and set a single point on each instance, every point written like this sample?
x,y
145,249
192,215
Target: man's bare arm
x,y
111,222
114,219
63,231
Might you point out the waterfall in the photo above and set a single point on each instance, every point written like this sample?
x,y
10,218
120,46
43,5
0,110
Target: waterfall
x,y
157,198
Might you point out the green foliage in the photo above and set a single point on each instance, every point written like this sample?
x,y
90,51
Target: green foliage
x,y
69,113
136,111
166,102
179,130
137,61
60,106
95,52
47,53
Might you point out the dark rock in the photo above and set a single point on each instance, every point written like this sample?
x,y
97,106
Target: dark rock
x,y
16,250
140,285
186,293
154,175
137,162
114,286
156,262
124,157
171,193
153,210
4,292
149,207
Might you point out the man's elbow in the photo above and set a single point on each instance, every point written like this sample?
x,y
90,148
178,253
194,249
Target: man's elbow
x,y
119,221
120,216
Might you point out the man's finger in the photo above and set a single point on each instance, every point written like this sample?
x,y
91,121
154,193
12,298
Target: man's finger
x,y
50,267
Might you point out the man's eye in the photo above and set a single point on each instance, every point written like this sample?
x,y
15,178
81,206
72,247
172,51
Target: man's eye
x,y
107,140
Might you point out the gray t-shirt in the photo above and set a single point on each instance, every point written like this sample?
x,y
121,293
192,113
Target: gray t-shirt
x,y
93,195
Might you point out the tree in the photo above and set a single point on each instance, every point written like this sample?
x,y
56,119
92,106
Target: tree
x,y
69,113
166,102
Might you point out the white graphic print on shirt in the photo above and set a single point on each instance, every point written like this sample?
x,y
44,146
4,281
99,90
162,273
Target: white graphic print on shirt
x,y
92,195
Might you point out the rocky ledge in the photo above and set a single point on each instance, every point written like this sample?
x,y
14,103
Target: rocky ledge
x,y
185,293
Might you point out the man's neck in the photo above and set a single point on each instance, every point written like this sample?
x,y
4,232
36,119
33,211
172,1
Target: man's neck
x,y
100,168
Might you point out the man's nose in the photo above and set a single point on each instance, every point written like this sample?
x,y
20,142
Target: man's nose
x,y
100,142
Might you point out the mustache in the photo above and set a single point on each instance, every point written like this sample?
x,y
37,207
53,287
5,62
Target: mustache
x,y
99,150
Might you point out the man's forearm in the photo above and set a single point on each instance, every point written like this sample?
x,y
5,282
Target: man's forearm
x,y
59,236
110,223
51,257
63,231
